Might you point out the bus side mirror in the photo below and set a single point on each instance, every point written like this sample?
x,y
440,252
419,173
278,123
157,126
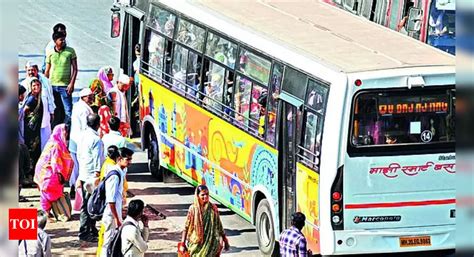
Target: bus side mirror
x,y
414,19
115,24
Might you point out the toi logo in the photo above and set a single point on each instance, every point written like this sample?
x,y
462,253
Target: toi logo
x,y
22,224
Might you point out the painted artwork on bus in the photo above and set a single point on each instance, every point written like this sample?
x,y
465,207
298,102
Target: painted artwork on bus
x,y
204,149
307,202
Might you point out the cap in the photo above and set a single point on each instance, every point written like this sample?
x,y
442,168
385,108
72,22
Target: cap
x,y
124,79
85,92
30,64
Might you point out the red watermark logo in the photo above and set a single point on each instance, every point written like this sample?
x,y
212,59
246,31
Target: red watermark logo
x,y
22,224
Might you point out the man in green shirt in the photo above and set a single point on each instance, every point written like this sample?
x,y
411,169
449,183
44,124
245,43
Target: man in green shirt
x,y
61,69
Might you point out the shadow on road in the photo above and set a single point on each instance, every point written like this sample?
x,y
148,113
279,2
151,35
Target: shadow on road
x,y
234,249
236,232
172,210
161,191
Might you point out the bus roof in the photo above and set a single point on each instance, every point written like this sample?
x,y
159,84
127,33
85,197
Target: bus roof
x,y
327,34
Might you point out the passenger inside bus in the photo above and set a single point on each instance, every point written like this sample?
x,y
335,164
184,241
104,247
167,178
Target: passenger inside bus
x,y
438,25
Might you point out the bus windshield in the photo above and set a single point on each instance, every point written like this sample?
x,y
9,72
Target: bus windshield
x,y
441,29
395,117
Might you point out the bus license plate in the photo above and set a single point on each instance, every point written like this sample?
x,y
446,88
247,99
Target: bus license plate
x,y
415,241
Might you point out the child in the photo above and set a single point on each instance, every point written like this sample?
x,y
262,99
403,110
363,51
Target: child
x,y
42,245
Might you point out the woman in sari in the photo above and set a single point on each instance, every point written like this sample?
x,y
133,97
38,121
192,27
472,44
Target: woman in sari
x,y
54,167
203,229
100,105
97,88
106,75
33,116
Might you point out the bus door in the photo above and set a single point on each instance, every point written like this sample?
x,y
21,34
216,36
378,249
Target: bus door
x,y
129,63
290,114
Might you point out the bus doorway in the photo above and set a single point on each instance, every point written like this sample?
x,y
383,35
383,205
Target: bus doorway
x,y
287,159
130,64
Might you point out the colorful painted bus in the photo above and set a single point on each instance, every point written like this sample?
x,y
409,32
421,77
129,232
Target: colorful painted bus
x,y
281,107
430,21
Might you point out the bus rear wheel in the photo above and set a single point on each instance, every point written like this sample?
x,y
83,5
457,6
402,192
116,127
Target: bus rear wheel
x,y
265,229
153,158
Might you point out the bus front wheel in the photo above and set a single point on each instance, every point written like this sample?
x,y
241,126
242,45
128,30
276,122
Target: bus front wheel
x,y
153,158
265,229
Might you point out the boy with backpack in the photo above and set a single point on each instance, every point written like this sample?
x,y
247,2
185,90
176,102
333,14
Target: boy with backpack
x,y
130,240
112,217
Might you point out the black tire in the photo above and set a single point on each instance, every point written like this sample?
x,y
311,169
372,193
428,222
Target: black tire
x,y
153,158
265,229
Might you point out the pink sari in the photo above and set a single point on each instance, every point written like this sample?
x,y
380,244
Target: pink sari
x,y
102,75
53,167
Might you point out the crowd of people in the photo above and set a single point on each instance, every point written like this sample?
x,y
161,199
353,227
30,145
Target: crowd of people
x,y
84,146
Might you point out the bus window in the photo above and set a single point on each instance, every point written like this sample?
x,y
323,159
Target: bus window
x,y
311,140
415,117
191,35
162,21
254,66
272,109
316,96
193,74
221,50
214,86
156,45
242,100
294,83
180,60
258,92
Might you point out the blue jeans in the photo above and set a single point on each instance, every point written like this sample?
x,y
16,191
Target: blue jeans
x,y
63,101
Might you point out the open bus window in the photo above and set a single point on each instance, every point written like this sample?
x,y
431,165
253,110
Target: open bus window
x,y
397,117
162,20
193,74
242,100
257,111
156,45
179,68
214,86
191,35
221,50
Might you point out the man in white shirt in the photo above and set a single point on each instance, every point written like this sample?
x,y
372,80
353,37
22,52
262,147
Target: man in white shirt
x,y
80,111
134,240
46,97
90,156
119,103
112,217
114,137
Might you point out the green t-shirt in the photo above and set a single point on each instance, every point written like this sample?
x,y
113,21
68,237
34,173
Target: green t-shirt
x,y
60,73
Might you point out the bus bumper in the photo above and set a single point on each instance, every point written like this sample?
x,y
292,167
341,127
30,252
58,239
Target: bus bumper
x,y
394,240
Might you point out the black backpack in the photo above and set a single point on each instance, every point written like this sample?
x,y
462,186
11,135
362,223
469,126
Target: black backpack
x,y
96,204
114,249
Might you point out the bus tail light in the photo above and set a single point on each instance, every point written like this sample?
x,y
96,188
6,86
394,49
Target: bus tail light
x,y
358,82
337,201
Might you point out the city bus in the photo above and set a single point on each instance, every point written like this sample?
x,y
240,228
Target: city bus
x,y
281,107
430,21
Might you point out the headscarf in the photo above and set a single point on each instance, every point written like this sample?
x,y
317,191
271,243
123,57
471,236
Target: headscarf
x,y
56,154
97,88
102,75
